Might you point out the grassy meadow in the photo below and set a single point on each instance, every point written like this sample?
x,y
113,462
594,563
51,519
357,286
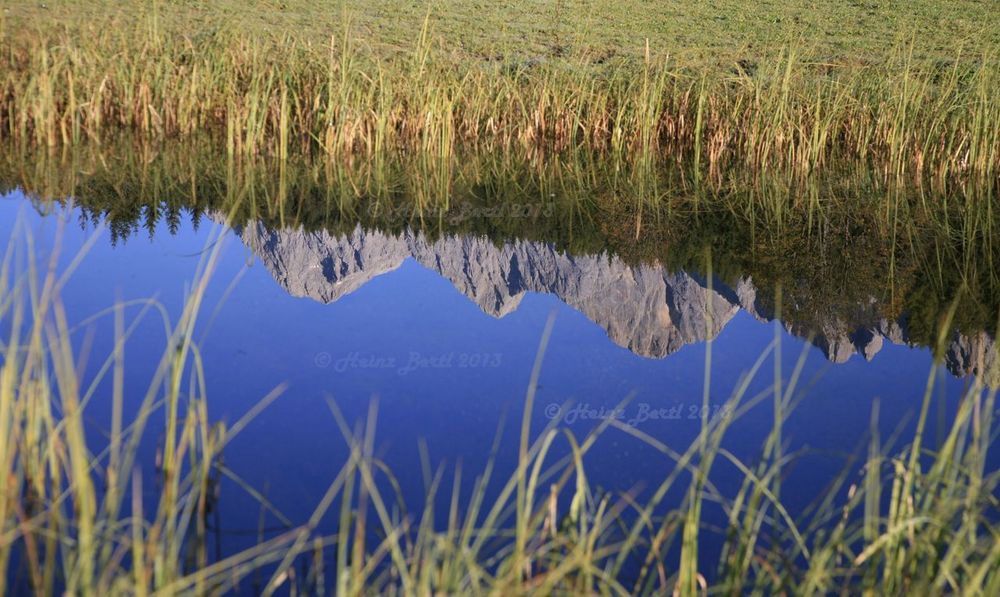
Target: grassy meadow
x,y
906,89
720,32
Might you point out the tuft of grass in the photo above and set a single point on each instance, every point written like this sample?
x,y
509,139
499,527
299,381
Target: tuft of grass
x,y
74,517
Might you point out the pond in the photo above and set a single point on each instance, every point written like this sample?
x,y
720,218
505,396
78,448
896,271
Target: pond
x,y
439,326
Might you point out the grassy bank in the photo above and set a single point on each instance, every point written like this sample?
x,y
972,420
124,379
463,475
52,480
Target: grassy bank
x,y
363,82
90,518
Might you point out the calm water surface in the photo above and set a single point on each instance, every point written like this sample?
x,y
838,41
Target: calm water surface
x,y
444,331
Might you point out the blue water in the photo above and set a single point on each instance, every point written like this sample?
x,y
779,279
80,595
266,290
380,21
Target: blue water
x,y
445,372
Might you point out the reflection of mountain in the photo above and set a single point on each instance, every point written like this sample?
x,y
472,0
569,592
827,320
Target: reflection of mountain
x,y
643,308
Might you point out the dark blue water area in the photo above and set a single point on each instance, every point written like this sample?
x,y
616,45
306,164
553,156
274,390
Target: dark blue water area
x,y
446,373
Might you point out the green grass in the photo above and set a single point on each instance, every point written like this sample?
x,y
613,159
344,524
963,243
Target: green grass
x,y
719,32
343,86
912,518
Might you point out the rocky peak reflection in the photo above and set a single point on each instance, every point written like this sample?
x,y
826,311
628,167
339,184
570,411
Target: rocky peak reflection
x,y
644,308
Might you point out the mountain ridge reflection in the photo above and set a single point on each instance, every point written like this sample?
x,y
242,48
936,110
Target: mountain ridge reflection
x,y
645,308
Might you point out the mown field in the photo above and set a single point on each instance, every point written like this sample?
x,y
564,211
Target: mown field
x,y
721,31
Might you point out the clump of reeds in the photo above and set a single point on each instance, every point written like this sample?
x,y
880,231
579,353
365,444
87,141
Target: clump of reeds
x,y
82,519
277,96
